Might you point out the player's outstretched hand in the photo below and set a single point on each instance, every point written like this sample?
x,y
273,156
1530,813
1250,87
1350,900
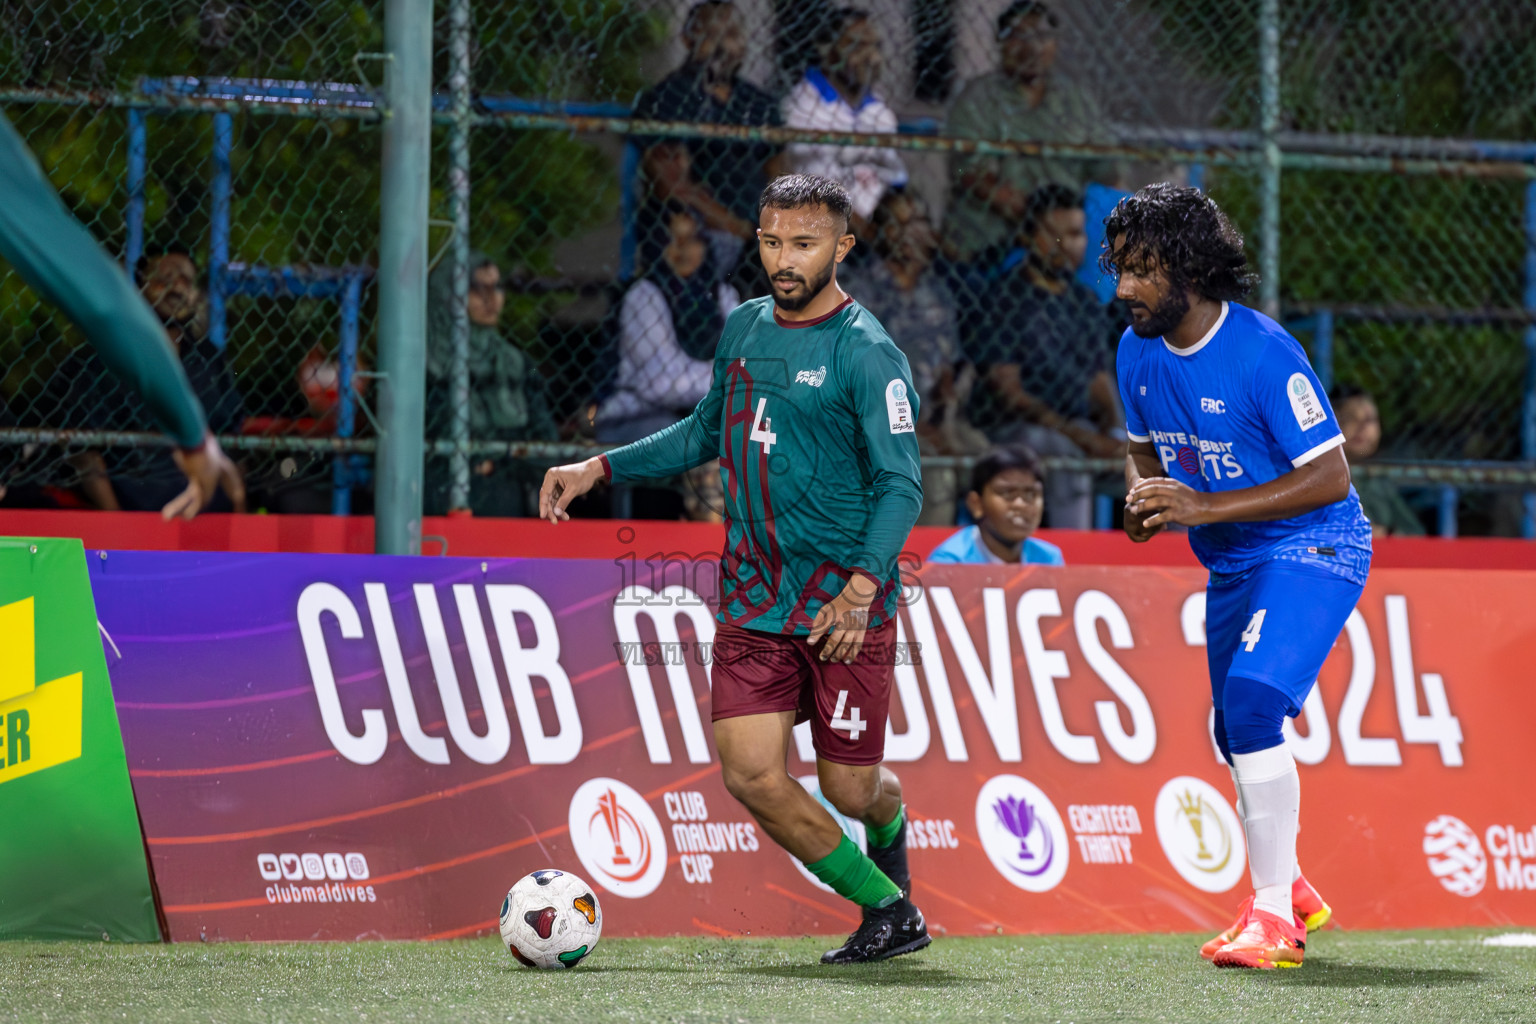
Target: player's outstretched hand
x,y
208,471
1159,501
844,620
564,484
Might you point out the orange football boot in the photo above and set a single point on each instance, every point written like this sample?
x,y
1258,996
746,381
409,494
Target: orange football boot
x,y
1309,906
1267,941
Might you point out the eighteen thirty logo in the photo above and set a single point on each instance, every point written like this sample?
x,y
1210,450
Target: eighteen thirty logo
x,y
618,838
39,723
1455,855
1023,835
1200,834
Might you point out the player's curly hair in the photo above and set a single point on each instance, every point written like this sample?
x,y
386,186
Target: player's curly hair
x,y
1183,232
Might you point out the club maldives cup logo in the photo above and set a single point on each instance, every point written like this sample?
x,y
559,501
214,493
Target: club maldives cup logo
x,y
1200,834
618,838
1023,835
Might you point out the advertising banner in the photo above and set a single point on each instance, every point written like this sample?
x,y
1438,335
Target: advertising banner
x,y
338,746
72,861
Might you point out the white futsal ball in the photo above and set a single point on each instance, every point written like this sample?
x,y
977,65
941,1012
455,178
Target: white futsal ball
x,y
551,919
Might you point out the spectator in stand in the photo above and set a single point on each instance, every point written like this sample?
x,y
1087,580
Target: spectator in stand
x,y
669,324
1046,346
54,253
839,96
508,397
1006,500
1017,102
719,179
916,308
16,491
83,389
1360,422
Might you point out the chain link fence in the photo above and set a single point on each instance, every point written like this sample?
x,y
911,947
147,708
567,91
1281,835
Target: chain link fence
x,y
595,165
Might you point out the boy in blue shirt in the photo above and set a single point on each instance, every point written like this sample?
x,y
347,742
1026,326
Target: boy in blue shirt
x,y
1231,434
1007,498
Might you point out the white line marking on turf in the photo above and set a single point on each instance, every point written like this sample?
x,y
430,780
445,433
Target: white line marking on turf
x,y
1511,939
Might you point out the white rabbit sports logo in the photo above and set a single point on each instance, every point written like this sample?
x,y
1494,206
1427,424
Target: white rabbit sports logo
x,y
1455,856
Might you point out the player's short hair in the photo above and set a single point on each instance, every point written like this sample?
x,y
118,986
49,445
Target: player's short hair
x,y
1018,11
1002,458
1342,392
797,191
1046,199
1183,232
160,252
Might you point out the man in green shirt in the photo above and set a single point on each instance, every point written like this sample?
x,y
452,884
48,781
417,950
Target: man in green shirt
x,y
1019,102
56,255
813,417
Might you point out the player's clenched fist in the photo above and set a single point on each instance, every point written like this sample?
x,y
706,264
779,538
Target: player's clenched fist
x,y
1159,501
1136,526
564,484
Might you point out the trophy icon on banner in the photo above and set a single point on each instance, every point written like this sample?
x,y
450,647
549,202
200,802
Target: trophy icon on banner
x,y
1192,806
608,805
1019,818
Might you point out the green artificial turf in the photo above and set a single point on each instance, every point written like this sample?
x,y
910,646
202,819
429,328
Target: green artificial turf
x,y
1379,977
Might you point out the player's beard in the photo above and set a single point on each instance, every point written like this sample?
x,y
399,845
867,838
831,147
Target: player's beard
x,y
1163,317
808,292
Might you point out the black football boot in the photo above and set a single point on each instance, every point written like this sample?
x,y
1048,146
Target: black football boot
x,y
887,932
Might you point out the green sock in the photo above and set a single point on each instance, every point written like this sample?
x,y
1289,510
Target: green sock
x,y
885,835
854,876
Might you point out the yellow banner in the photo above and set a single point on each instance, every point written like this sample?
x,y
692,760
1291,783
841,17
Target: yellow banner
x,y
18,656
41,729
39,725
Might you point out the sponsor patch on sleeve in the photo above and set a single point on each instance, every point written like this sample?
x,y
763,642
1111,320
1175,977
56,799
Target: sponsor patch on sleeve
x,y
899,407
1304,402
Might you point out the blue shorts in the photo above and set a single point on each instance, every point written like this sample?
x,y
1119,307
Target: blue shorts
x,y
1275,624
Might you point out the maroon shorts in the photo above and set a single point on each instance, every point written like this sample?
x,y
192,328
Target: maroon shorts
x,y
764,673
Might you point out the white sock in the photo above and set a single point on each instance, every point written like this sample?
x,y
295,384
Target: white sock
x,y
1296,870
1271,797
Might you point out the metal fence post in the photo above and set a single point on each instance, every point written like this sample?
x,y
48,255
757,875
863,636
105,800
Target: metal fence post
x,y
1322,349
458,186
218,241
1269,125
1528,406
403,198
346,399
138,160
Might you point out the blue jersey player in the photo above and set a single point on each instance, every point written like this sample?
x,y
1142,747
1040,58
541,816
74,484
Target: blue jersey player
x,y
1232,436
